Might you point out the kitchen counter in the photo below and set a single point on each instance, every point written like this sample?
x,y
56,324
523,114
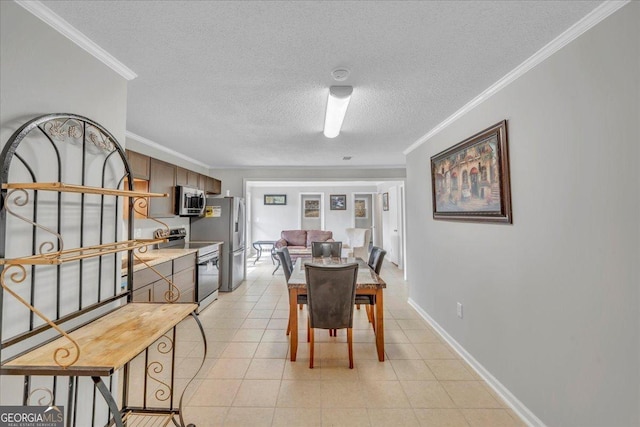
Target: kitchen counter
x,y
156,256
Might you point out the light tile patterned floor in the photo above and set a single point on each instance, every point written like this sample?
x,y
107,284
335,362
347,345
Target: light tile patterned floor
x,y
248,379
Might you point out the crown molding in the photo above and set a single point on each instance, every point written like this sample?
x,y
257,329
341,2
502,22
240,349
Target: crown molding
x,y
164,149
66,29
591,19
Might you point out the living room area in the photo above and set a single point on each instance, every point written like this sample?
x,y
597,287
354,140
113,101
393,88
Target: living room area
x,y
334,206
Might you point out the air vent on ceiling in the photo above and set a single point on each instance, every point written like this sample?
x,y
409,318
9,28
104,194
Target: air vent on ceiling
x,y
346,158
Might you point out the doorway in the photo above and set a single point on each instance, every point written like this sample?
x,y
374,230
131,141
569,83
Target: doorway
x,y
364,212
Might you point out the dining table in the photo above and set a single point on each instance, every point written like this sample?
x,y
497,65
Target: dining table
x,y
367,283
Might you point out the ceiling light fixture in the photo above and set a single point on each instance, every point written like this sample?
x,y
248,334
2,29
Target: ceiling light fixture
x,y
337,103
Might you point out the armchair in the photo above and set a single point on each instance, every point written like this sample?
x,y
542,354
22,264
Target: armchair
x,y
357,244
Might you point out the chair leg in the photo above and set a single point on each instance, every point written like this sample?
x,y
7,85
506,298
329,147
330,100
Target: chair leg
x,y
372,317
350,343
311,349
358,306
300,306
308,330
288,329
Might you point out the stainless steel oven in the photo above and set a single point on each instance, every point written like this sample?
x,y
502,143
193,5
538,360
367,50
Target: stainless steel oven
x,y
189,201
208,277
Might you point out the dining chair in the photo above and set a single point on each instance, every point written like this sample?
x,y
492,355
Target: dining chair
x,y
326,249
375,263
375,259
287,267
331,293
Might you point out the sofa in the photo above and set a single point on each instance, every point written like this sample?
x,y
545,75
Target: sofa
x,y
298,242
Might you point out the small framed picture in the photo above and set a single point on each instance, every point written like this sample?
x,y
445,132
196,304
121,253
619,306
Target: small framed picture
x,y
275,199
312,208
360,208
385,201
338,202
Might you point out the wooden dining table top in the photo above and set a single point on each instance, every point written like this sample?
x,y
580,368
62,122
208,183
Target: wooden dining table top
x,y
367,278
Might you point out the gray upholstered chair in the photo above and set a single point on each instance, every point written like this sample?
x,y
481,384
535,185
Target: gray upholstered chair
x,y
285,260
375,259
287,267
326,249
375,263
331,293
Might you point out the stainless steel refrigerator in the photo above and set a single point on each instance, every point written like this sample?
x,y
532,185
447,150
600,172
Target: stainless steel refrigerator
x,y
224,222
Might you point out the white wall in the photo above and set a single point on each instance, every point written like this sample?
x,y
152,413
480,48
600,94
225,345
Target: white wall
x,y
268,220
233,180
43,72
550,302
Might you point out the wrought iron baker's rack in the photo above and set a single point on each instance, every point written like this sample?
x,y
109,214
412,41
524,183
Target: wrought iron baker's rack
x,y
61,340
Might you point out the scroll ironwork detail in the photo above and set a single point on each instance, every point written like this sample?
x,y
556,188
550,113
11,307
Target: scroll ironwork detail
x,y
62,356
46,249
163,393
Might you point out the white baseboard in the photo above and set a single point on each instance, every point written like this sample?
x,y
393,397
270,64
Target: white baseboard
x,y
517,406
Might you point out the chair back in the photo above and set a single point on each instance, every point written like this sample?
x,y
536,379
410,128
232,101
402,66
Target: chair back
x,y
358,241
326,249
375,259
285,261
331,293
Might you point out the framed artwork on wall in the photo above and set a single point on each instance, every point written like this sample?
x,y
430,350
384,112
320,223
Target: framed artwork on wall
x,y
470,181
338,202
312,208
385,201
275,199
360,208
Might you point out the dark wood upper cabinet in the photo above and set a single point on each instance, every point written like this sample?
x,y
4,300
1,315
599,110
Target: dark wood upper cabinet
x,y
139,164
212,185
162,179
181,176
187,178
192,179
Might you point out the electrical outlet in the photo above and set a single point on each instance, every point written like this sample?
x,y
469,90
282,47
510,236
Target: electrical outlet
x,y
459,310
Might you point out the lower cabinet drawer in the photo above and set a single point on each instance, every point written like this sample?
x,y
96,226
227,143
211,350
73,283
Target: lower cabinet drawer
x,y
144,294
187,295
182,263
185,278
147,275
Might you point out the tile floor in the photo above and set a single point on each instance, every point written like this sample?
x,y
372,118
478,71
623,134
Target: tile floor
x,y
248,380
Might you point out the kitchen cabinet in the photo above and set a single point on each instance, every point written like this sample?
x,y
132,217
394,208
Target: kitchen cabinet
x,y
212,185
139,164
184,277
187,178
147,284
149,287
162,179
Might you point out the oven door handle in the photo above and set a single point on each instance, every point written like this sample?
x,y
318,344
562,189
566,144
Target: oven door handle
x,y
207,258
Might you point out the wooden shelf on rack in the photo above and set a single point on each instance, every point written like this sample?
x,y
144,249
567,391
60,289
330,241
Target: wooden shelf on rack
x,y
75,254
107,343
72,188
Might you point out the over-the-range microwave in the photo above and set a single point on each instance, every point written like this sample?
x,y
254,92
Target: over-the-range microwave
x,y
189,201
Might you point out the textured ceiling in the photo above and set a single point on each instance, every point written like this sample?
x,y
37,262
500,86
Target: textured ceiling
x,y
244,83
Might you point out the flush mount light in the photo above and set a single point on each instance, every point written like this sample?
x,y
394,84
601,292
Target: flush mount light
x,y
337,103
